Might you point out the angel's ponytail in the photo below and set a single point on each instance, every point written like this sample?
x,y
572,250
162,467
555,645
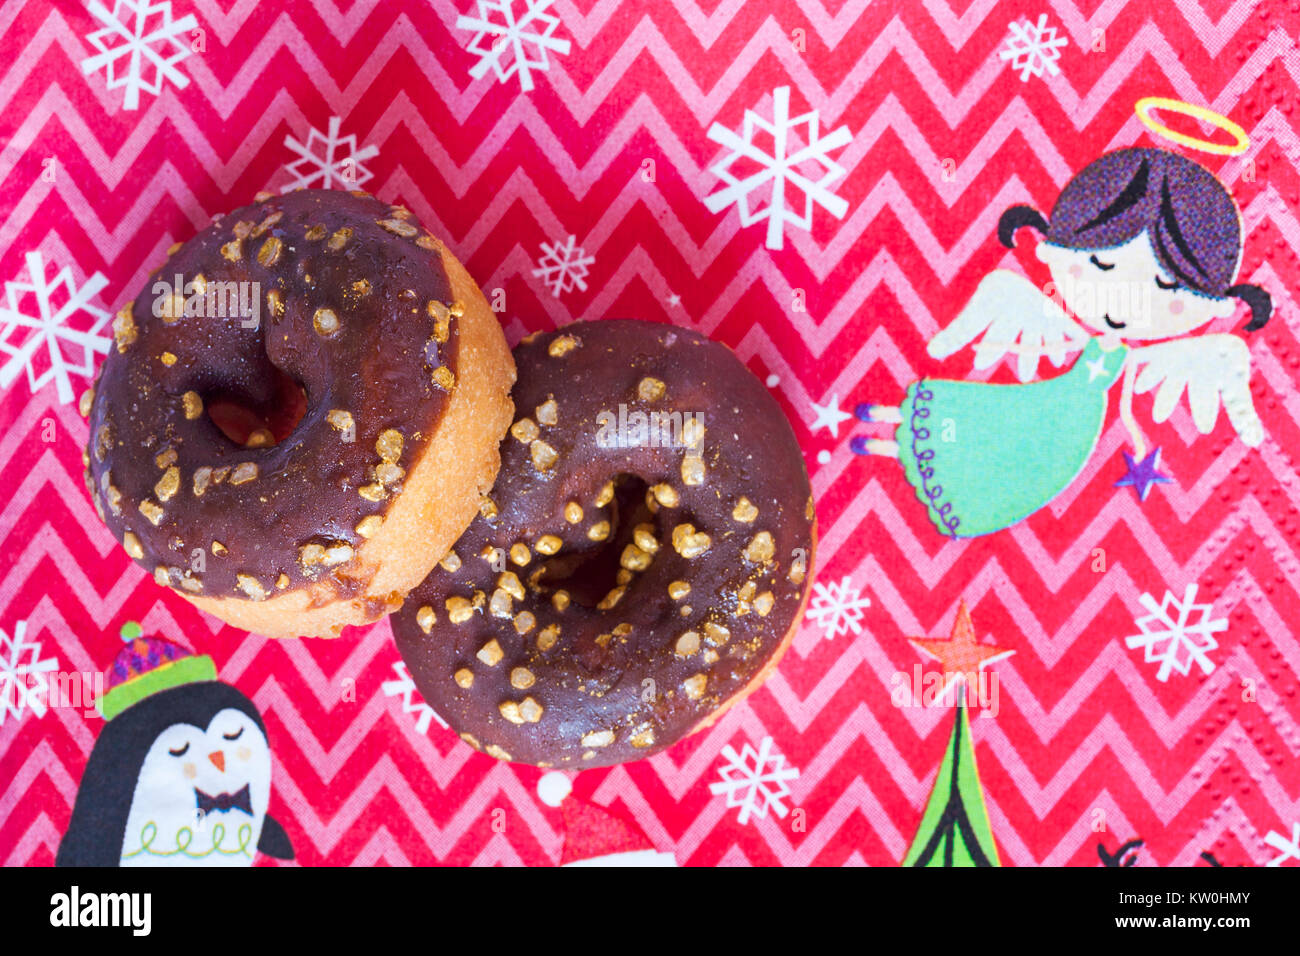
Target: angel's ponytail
x,y
1015,218
1260,302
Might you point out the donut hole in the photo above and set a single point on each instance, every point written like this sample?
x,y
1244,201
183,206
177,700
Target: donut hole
x,y
588,575
253,424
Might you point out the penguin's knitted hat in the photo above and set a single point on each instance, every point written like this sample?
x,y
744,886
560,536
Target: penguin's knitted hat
x,y
147,665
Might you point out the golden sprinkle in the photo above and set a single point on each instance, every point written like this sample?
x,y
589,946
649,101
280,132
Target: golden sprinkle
x,y
219,474
233,250
525,430
373,492
260,438
174,248
544,456
763,603
464,677
744,510
521,678
548,544
369,526
83,404
341,419
339,239
242,229
444,378
282,581
162,575
688,644
573,512
692,470
266,224
692,433
760,549
251,586
605,495
809,511
488,508
427,242
459,610
202,476
168,359
451,563
501,604
245,471
611,598
173,308
508,581
269,254
798,569
716,633
548,637
525,621
314,233
510,711
168,484
634,559
361,287
666,495
678,590
426,618
520,554
695,686
124,329
275,302
151,510
560,600
325,321
650,389
644,537
490,653
219,549
397,227
492,750
165,458
389,445
562,346
643,738
530,710
132,545
548,413
598,738
192,403
689,543
599,531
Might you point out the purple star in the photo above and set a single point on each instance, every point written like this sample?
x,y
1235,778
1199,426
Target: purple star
x,y
1142,474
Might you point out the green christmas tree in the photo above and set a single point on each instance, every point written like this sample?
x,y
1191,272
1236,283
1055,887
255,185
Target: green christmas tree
x,y
955,829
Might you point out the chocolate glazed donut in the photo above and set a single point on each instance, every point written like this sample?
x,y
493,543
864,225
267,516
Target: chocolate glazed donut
x,y
300,427
639,564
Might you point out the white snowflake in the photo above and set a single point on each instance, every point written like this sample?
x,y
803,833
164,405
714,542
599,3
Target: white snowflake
x,y
1033,48
755,780
563,266
23,685
328,159
1290,849
509,39
790,153
132,45
49,329
405,686
838,608
1179,642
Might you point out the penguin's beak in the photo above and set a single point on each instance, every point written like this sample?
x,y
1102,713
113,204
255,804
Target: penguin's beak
x,y
218,758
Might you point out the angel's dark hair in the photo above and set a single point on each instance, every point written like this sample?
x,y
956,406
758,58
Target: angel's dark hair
x,y
1193,223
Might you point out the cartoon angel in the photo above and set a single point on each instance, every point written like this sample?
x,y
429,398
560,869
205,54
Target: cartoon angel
x,y
1143,246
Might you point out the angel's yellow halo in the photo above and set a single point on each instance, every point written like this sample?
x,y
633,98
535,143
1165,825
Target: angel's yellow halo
x,y
1145,105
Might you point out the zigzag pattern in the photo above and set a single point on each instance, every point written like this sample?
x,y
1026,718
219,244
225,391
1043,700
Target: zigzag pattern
x,y
945,136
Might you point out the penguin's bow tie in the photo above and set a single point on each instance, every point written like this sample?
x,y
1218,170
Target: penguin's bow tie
x,y
225,802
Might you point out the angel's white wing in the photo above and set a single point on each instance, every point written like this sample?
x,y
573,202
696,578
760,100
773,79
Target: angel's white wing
x,y
1014,315
1213,369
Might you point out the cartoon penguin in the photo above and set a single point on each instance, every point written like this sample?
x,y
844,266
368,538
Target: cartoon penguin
x,y
180,775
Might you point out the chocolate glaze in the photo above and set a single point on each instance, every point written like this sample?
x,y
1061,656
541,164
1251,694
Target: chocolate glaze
x,y
623,682
379,281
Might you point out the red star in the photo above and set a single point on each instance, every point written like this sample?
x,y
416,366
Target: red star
x,y
961,653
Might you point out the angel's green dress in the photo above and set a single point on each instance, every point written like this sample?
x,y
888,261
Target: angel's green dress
x,y
982,457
